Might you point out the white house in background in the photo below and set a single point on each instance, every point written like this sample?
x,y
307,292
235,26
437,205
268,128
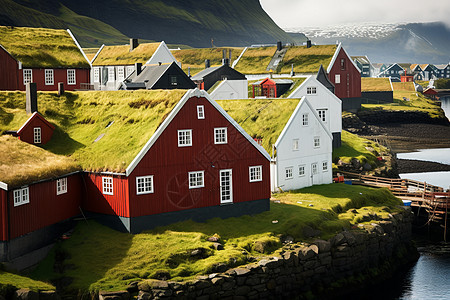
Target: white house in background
x,y
327,105
230,89
113,64
303,151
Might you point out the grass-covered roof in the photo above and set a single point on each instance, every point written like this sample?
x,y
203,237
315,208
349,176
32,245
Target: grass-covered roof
x,y
121,122
90,52
369,84
195,58
307,60
261,118
403,86
121,55
42,47
21,163
255,60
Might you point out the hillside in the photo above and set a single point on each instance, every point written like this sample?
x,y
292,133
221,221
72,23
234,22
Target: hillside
x,y
230,23
388,43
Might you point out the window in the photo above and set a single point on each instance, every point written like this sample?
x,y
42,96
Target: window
x,y
301,170
144,185
21,196
314,168
311,90
49,77
120,73
305,119
288,172
325,166
337,78
185,138
129,70
322,114
196,180
61,186
220,135
200,112
295,144
173,80
255,173
71,77
342,63
111,74
96,74
37,135
107,185
316,142
27,76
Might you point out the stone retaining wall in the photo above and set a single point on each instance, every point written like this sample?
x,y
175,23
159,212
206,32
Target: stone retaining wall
x,y
301,268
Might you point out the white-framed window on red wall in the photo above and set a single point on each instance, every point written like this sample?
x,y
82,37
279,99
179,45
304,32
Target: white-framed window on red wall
x,y
255,173
27,76
184,137
37,135
21,196
107,186
144,185
61,186
49,77
71,77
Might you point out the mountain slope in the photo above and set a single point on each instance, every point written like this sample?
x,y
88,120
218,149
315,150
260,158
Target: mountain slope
x,y
414,42
198,24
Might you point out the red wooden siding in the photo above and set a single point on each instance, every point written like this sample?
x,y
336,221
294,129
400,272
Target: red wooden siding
x,y
9,71
3,216
45,207
170,164
96,201
350,85
27,132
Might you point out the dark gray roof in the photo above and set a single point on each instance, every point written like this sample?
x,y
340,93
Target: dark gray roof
x,y
149,75
203,73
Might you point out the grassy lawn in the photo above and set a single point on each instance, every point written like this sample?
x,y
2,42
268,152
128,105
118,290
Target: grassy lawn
x,y
18,281
99,258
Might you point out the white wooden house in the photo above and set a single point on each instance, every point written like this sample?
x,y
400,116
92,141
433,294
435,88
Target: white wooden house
x,y
113,64
230,89
327,105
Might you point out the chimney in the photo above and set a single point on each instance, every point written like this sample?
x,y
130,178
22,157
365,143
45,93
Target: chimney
x,y
189,72
159,63
292,70
138,68
207,63
308,44
224,57
133,44
229,55
279,46
31,98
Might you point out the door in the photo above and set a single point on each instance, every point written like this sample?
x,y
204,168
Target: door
x,y
226,186
314,172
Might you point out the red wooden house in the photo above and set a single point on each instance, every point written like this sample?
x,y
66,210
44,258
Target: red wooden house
x,y
41,55
36,130
37,202
198,164
430,93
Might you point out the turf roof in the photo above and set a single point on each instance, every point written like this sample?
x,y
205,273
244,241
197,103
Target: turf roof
x,y
82,117
42,47
369,84
261,118
307,60
121,55
22,163
255,60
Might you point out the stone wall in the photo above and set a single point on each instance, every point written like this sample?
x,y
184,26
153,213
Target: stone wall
x,y
302,270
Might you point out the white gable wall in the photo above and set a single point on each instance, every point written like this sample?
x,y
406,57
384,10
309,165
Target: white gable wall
x,y
306,155
323,99
231,89
162,55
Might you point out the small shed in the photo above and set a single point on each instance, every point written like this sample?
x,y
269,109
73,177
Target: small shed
x,y
36,130
430,93
209,76
270,88
406,78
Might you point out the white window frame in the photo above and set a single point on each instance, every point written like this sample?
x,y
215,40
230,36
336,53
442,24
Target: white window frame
x,y
322,114
220,135
129,70
108,185
144,185
61,186
37,135
311,90
289,173
337,78
120,73
301,170
317,142
49,78
314,169
111,74
295,144
196,179
27,76
71,77
21,196
184,137
255,173
305,119
325,166
173,80
200,112
96,74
